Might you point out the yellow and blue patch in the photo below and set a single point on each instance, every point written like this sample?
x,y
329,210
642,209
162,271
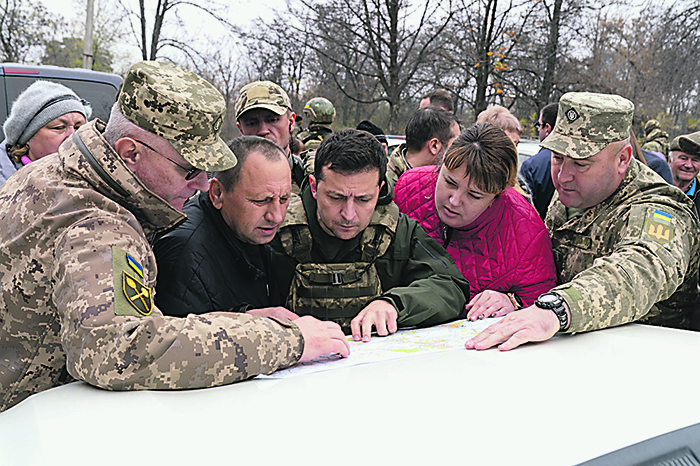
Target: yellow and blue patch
x,y
659,227
134,265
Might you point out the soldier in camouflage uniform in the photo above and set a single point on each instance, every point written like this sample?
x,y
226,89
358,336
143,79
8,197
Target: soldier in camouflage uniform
x,y
429,133
656,140
347,255
76,267
320,114
264,109
625,242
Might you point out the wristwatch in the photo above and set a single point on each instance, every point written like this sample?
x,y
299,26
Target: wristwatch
x,y
554,303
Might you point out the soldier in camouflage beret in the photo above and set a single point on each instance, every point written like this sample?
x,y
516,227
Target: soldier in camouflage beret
x,y
625,243
263,109
684,161
77,272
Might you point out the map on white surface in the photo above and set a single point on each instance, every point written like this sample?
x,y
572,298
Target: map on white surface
x,y
401,344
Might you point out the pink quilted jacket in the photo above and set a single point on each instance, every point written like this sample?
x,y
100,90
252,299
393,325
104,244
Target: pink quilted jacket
x,y
506,249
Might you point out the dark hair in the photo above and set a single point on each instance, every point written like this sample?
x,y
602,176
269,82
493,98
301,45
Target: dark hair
x,y
549,114
489,156
440,98
350,151
242,147
295,146
428,123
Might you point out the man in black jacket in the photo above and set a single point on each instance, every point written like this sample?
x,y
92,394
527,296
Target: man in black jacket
x,y
219,258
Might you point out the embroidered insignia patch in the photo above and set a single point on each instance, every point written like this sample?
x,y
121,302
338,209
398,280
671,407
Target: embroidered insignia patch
x,y
134,265
571,115
137,294
658,230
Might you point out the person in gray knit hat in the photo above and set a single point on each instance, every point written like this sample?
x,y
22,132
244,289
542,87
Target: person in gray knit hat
x,y
42,117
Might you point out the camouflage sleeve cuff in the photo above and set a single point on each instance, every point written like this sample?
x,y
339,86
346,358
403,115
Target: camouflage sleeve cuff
x,y
574,300
297,349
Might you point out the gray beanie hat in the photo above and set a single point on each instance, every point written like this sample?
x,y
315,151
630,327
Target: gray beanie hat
x,y
40,103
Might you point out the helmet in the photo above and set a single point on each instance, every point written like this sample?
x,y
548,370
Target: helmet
x,y
320,110
651,126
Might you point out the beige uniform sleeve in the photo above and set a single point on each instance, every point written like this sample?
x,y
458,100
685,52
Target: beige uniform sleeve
x,y
647,266
114,338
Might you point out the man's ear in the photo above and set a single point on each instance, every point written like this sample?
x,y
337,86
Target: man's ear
x,y
624,157
128,151
434,146
292,120
312,185
216,193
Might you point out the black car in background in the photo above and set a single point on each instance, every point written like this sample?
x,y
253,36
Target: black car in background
x,y
100,89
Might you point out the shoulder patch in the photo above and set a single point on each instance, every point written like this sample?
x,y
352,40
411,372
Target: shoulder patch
x,y
658,227
131,296
138,295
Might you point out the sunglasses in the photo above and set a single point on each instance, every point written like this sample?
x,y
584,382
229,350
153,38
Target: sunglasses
x,y
190,172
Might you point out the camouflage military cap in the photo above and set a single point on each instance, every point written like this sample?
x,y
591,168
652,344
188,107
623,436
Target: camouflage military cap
x,y
262,94
181,107
689,143
320,110
651,125
587,122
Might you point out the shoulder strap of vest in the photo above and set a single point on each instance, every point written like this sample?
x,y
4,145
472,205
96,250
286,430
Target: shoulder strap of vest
x,y
295,234
378,236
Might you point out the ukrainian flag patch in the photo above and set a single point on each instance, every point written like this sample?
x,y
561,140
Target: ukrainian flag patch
x,y
658,227
662,217
134,265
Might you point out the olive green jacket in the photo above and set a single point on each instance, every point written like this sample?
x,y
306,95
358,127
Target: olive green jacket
x,y
417,275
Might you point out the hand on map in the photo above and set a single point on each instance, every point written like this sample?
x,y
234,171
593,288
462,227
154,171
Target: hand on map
x,y
488,304
529,324
279,312
380,314
321,337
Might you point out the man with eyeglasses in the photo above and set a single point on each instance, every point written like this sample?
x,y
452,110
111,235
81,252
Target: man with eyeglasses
x,y
76,267
536,171
684,158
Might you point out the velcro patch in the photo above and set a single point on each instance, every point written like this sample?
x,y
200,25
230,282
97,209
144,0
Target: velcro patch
x,y
573,293
659,230
137,294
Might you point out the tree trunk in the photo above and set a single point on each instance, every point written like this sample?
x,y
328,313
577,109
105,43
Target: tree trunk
x,y
552,59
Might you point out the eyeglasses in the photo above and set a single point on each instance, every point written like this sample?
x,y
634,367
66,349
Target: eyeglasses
x,y
191,172
538,126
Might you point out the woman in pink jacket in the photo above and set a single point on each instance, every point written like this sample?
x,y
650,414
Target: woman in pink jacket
x,y
494,235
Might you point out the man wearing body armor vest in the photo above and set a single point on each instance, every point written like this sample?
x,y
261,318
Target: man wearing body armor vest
x,y
347,255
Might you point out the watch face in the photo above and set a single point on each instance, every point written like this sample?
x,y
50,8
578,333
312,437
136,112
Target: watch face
x,y
549,298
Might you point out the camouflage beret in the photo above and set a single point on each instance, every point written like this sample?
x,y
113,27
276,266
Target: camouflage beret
x,y
262,94
689,143
181,107
588,122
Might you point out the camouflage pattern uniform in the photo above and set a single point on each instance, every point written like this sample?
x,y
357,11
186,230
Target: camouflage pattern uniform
x,y
656,139
321,114
397,165
269,96
634,256
77,271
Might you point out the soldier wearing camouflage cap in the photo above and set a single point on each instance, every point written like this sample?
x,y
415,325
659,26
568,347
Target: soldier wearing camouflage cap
x,y
684,160
625,243
76,267
656,140
263,109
